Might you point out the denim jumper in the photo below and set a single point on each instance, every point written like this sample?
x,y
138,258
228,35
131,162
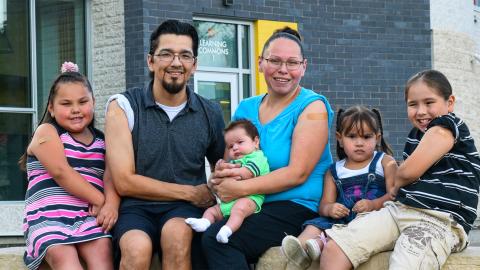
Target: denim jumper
x,y
352,189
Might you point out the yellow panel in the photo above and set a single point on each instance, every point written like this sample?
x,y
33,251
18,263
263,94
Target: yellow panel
x,y
263,30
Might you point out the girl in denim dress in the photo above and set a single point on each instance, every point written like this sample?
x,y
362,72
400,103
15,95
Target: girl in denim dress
x,y
361,181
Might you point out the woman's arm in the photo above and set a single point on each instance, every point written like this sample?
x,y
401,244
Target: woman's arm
x,y
436,142
48,149
328,206
309,140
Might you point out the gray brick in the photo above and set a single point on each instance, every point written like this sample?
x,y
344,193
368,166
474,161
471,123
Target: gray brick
x,y
358,51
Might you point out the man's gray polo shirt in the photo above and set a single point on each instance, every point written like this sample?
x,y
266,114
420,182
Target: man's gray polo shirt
x,y
174,151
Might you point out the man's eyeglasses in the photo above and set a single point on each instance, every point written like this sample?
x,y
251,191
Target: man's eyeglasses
x,y
277,63
169,56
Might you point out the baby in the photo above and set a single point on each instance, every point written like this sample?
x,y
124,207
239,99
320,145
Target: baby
x,y
242,142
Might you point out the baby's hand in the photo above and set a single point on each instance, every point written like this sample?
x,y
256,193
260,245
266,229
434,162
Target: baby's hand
x,y
338,210
363,206
107,217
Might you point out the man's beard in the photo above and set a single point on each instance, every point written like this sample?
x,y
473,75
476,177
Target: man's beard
x,y
174,87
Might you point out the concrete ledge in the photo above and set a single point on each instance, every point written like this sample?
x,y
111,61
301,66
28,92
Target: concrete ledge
x,y
12,259
273,259
468,259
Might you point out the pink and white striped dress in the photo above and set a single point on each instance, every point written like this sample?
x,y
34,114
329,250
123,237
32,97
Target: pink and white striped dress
x,y
52,215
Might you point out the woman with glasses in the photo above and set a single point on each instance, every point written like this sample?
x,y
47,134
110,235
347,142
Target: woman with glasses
x,y
293,123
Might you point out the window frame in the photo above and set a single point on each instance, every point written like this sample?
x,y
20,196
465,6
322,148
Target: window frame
x,y
14,208
240,72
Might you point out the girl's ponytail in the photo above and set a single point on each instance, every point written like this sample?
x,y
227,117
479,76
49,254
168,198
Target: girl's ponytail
x,y
340,152
383,144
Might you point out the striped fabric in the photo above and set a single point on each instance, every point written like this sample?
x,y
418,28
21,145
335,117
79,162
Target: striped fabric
x,y
451,185
52,216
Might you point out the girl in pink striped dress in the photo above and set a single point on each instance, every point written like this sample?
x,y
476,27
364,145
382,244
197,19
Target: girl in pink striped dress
x,y
70,204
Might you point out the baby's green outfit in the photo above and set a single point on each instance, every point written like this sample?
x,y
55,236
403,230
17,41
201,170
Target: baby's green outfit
x,y
257,163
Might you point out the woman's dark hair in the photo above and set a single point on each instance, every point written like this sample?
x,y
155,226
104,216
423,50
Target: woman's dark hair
x,y
66,77
434,79
177,28
249,128
354,118
287,33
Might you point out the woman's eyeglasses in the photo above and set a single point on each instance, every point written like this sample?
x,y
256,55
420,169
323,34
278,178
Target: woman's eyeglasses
x,y
277,63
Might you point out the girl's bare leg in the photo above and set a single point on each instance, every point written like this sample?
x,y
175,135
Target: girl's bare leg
x,y
333,258
62,257
97,254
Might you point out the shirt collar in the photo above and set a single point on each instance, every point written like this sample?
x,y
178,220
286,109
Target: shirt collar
x,y
149,101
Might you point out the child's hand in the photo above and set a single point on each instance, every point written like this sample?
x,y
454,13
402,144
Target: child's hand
x,y
93,210
338,210
393,193
363,206
107,217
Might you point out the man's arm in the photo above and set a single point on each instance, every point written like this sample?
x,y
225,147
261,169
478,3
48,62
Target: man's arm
x,y
121,162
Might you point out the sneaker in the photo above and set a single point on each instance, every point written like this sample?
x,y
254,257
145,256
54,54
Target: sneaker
x,y
297,258
315,246
313,249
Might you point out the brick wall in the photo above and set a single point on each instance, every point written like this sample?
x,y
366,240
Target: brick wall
x,y
359,52
108,52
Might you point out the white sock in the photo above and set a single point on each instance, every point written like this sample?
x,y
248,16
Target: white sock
x,y
198,224
224,234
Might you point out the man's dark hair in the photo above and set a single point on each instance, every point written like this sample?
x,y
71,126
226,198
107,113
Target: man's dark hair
x,y
177,28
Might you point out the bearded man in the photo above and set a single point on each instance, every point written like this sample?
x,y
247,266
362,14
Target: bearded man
x,y
157,138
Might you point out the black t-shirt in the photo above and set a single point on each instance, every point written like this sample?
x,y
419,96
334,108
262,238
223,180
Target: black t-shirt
x,y
450,185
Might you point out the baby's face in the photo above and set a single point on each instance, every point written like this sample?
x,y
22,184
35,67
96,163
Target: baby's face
x,y
239,143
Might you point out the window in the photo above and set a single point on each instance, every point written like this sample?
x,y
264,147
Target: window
x,y
33,45
59,35
224,72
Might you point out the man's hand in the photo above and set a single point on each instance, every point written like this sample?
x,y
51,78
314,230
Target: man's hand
x,y
202,197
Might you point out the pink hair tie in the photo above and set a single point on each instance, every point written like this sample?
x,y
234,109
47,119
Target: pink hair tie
x,y
69,67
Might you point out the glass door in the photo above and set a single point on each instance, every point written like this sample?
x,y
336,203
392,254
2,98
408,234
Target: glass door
x,y
219,87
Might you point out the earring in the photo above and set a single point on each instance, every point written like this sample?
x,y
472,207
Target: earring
x,y
52,115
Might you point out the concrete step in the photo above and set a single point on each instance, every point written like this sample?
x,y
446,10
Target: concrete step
x,y
469,259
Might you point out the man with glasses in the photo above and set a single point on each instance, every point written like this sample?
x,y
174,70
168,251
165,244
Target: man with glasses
x,y
157,139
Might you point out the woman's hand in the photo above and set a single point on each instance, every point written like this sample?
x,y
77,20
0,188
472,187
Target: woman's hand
x,y
224,169
363,206
338,210
228,188
107,217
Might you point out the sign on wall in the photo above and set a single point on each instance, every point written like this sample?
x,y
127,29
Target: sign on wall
x,y
217,44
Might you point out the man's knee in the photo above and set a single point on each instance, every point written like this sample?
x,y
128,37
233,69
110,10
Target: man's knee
x,y
176,236
136,249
